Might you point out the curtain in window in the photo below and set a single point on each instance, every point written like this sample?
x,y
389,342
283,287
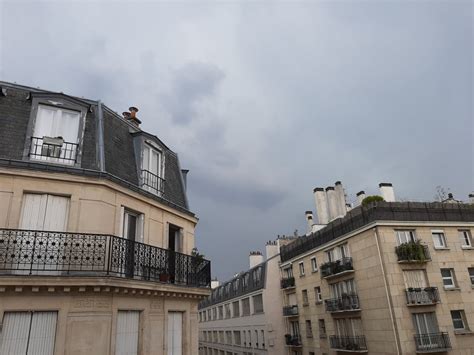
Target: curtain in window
x,y
415,278
126,342
54,122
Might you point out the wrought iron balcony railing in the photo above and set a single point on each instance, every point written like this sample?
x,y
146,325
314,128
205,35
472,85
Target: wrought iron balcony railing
x,y
289,311
352,343
349,302
54,150
288,282
293,340
433,342
412,252
422,296
332,268
28,252
152,182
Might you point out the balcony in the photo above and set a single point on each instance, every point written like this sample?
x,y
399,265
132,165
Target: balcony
x,y
290,311
28,252
346,303
288,282
293,340
432,343
348,343
333,268
54,150
412,252
422,296
152,182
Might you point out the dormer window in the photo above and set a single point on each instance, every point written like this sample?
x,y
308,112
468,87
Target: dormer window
x,y
152,172
55,135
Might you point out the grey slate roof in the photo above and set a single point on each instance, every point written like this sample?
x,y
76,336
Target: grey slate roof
x,y
121,159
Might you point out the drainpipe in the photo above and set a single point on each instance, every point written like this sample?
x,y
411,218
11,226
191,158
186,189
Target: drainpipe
x,y
389,300
100,118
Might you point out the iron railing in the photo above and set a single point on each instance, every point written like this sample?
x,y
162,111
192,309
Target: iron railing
x,y
293,340
380,211
288,282
432,342
28,252
335,267
152,182
412,252
289,311
349,302
422,296
53,150
353,343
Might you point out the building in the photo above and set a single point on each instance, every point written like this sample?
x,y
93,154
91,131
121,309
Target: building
x,y
384,278
244,315
96,234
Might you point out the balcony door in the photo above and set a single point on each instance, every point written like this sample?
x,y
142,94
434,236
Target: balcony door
x,y
175,333
151,169
43,218
132,232
426,325
349,327
415,278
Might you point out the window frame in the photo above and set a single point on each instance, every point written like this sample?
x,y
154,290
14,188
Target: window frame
x,y
57,101
318,294
304,297
470,271
314,264
301,268
451,277
438,236
412,236
462,319
465,235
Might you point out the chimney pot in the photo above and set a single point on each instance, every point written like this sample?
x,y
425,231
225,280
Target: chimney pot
x,y
386,190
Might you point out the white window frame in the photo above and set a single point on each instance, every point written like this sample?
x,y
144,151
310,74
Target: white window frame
x,y
465,237
405,236
451,277
314,264
439,239
305,297
319,296
461,318
301,268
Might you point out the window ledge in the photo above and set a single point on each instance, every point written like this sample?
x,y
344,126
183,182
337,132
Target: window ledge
x,y
466,247
321,302
441,248
302,275
463,332
452,288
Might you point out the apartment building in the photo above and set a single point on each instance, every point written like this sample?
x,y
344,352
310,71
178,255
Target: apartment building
x,y
96,234
384,278
243,315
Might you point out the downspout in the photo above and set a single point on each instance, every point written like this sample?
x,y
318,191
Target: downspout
x,y
389,300
100,118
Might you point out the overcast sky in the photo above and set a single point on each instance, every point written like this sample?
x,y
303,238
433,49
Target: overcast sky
x,y
263,101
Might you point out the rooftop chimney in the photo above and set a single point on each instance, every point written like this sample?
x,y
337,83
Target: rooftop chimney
x,y
255,258
341,199
332,203
271,249
471,198
132,116
386,191
320,199
360,196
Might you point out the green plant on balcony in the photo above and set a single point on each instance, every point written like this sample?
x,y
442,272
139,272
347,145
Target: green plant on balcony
x,y
411,251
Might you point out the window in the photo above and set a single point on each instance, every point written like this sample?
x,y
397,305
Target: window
x,y
343,288
126,338
309,329
152,169
237,340
305,297
227,310
301,266
257,304
263,338
28,330
236,309
471,274
459,320
448,278
405,236
314,264
221,312
465,238
55,135
256,338
439,239
338,253
214,313
322,328
348,327
246,307
319,296
132,228
288,272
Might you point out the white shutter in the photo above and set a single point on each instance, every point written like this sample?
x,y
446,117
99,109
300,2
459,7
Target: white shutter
x,y
175,333
57,212
126,341
42,333
14,334
33,211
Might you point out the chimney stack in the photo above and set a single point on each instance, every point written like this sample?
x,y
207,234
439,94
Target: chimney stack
x,y
132,116
271,249
332,202
341,199
321,202
255,258
309,220
471,198
360,196
386,191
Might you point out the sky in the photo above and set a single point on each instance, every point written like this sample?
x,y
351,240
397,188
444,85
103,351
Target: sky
x,y
265,100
